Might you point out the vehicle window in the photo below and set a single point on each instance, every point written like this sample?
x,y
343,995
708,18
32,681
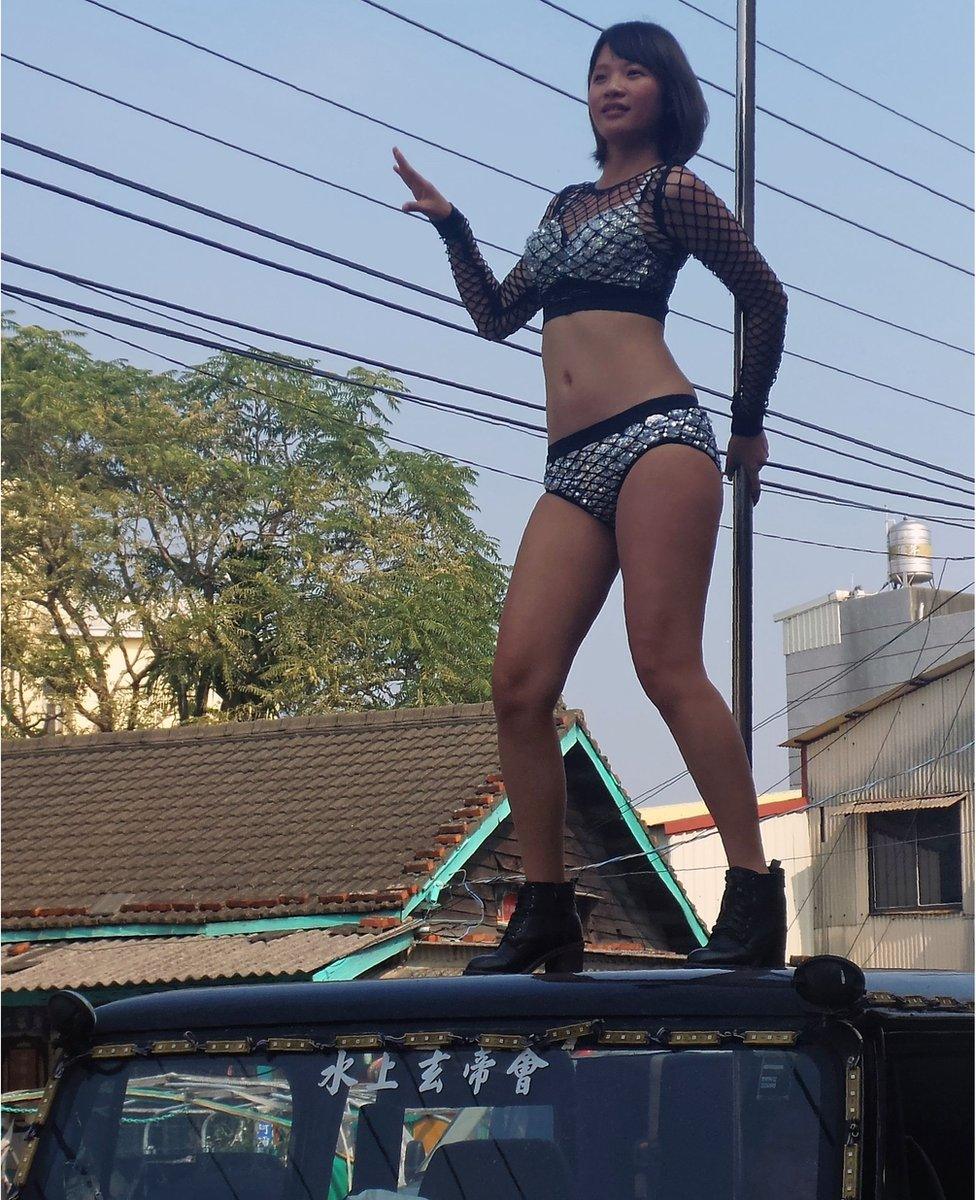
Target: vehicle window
x,y
460,1123
210,1127
628,1124
933,1088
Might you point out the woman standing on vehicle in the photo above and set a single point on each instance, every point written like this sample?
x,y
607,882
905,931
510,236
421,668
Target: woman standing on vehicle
x,y
602,265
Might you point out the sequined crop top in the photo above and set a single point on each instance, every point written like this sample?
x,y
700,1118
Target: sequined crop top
x,y
621,248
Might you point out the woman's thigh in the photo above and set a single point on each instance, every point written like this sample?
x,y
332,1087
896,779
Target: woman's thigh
x,y
565,566
667,521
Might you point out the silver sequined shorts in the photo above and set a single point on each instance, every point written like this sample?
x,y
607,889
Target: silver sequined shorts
x,y
588,467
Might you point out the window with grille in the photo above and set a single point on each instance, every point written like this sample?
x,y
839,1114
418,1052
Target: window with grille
x,y
914,859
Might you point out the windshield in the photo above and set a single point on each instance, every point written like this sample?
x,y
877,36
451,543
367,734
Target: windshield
x,y
449,1124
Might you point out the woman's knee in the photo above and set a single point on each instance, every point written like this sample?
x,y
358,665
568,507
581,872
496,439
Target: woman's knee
x,y
521,688
667,679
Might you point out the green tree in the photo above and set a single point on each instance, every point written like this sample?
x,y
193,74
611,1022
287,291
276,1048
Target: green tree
x,y
251,521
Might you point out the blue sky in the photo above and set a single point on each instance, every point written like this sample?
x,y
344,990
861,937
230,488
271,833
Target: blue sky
x,y
364,58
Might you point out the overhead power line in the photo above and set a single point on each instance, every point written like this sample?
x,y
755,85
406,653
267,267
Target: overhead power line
x,y
506,66
419,216
649,793
413,445
797,61
125,293
832,79
265,356
129,296
314,250
536,430
542,83
276,399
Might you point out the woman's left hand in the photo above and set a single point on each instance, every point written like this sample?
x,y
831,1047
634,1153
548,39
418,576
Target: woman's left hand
x,y
751,453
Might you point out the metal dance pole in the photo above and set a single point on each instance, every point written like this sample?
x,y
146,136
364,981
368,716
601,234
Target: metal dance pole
x,y
745,187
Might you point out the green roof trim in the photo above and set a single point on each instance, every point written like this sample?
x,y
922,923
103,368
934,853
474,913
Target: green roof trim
x,y
207,929
462,853
353,965
633,823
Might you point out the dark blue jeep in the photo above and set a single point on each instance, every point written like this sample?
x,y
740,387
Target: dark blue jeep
x,y
815,1083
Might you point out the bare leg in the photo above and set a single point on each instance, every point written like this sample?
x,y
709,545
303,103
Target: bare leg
x,y
565,566
667,523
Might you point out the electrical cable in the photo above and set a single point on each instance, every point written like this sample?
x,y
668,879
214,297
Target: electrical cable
x,y
269,358
265,356
847,669
717,86
761,183
795,493
109,293
178,232
501,420
660,851
413,445
420,217
280,399
794,702
713,831
851,726
877,758
593,866
551,87
817,71
788,858
127,296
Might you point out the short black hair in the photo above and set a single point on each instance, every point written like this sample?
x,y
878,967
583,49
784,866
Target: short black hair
x,y
684,115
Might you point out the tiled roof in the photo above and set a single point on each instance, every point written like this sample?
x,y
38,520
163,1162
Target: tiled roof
x,y
347,811
130,962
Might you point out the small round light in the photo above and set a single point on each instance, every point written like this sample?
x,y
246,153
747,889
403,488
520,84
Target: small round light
x,y
829,981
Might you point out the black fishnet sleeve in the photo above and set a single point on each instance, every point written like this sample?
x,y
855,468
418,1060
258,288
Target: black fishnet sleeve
x,y
697,219
497,309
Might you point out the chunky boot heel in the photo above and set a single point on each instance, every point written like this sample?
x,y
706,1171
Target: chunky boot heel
x,y
544,929
750,930
568,961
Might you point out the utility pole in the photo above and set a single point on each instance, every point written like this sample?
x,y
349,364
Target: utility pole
x,y
745,190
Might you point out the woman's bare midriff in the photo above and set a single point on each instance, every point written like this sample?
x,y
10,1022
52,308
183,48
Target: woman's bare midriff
x,y
599,363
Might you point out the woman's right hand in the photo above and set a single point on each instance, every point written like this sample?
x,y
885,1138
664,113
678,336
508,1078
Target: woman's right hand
x,y
427,199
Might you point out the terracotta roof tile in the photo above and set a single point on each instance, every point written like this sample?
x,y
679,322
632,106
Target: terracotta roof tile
x,y
240,819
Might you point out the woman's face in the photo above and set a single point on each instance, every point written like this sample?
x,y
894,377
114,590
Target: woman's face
x,y
628,84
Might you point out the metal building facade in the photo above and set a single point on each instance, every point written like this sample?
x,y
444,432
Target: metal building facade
x,y
849,647
913,742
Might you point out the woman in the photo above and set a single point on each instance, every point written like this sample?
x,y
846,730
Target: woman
x,y
602,265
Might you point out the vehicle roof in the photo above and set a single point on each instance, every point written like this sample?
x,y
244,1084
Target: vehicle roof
x,y
668,992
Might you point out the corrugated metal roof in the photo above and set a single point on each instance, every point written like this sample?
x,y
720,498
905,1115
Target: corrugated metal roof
x,y
899,803
130,962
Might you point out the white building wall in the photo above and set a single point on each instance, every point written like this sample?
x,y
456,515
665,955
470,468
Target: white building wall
x,y
700,863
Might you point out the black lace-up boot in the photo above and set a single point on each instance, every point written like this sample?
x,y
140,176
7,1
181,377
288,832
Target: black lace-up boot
x,y
544,928
751,927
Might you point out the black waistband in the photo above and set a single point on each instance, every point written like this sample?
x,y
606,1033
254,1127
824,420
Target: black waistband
x,y
567,294
620,420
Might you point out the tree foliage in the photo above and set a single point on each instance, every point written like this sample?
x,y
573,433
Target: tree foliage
x,y
250,522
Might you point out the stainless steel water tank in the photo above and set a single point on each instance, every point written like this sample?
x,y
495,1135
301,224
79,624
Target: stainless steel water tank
x,y
909,552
